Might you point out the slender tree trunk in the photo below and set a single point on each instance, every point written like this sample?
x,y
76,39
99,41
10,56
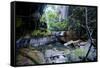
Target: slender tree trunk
x,y
89,34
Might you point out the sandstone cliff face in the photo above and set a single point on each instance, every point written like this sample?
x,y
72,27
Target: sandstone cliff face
x,y
69,35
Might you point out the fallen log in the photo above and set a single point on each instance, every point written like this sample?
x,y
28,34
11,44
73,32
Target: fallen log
x,y
72,42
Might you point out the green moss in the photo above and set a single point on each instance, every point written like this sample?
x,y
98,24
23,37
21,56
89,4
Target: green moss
x,y
79,52
37,33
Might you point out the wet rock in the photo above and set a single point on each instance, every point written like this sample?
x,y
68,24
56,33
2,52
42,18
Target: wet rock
x,y
35,56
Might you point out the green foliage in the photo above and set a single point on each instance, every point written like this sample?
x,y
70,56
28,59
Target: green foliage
x,y
53,22
38,33
18,22
77,15
52,15
59,25
43,18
